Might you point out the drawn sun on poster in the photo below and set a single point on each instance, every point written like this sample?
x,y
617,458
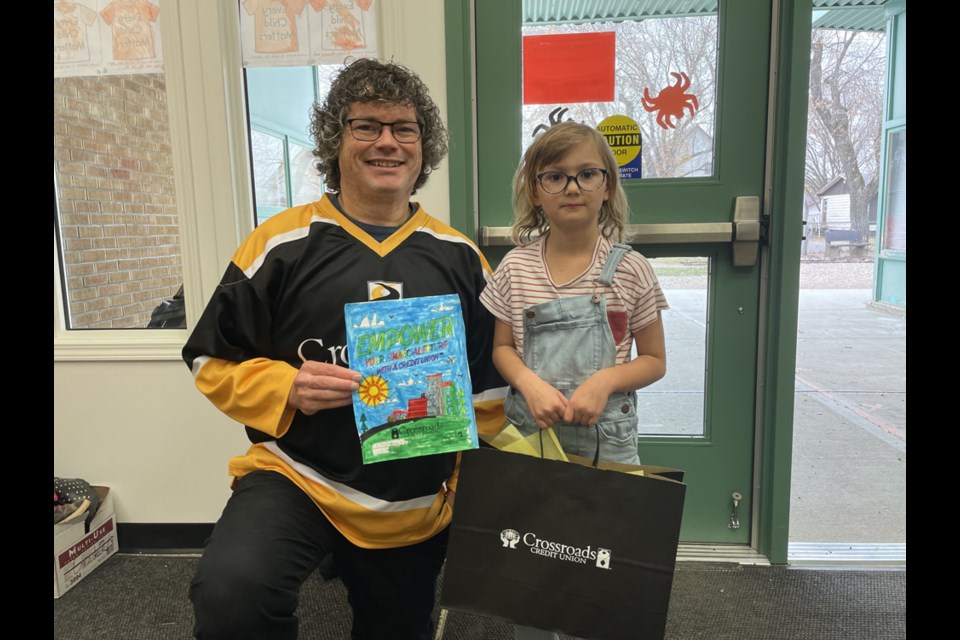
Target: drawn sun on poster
x,y
373,390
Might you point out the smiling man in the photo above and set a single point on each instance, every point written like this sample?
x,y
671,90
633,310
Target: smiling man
x,y
269,351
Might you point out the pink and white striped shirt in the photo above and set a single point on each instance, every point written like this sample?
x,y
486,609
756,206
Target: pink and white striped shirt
x,y
522,280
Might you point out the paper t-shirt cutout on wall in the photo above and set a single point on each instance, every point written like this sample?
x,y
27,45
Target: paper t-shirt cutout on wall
x,y
71,21
342,28
275,24
130,22
277,33
106,37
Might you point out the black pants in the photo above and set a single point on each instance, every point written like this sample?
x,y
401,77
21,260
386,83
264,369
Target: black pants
x,y
269,540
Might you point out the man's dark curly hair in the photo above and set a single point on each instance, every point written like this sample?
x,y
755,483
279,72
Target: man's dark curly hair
x,y
367,80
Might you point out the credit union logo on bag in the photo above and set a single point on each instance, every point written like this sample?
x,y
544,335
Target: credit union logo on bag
x,y
510,537
600,557
603,558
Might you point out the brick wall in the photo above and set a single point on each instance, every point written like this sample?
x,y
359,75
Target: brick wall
x,y
119,231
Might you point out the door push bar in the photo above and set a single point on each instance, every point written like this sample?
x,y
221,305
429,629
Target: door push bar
x,y
743,233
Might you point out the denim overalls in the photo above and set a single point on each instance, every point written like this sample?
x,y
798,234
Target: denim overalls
x,y
565,341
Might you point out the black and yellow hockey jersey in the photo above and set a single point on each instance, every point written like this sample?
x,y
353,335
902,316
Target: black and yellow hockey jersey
x,y
280,302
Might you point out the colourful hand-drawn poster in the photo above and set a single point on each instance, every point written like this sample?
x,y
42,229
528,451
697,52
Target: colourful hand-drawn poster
x,y
342,29
415,396
274,33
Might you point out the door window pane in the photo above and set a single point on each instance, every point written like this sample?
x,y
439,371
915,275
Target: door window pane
x,y
895,233
115,211
674,405
659,113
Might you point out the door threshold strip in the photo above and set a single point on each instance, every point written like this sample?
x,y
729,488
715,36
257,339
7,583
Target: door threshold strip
x,y
730,553
861,554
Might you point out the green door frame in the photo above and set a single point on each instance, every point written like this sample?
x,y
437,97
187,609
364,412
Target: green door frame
x,y
782,199
890,266
458,25
793,26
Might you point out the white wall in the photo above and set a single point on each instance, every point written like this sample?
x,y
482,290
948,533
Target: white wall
x,y
126,413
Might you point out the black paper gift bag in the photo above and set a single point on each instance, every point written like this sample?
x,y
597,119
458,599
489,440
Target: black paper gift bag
x,y
564,546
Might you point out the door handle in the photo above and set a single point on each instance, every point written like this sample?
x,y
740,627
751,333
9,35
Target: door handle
x,y
743,233
746,231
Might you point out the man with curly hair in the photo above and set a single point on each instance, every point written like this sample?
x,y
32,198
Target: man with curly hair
x,y
269,351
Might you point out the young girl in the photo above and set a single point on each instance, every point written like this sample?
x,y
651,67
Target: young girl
x,y
570,302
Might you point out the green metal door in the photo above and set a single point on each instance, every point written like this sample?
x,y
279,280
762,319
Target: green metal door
x,y
699,96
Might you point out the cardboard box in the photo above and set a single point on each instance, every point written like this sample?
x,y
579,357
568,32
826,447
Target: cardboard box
x,y
76,552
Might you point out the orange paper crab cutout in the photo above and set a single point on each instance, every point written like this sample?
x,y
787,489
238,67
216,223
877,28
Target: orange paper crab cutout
x,y
672,101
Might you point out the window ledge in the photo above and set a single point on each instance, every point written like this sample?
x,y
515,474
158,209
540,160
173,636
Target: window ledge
x,y
134,344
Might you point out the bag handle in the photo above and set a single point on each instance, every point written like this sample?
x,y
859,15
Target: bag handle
x,y
596,454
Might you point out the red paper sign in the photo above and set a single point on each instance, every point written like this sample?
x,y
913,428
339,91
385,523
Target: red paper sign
x,y
569,67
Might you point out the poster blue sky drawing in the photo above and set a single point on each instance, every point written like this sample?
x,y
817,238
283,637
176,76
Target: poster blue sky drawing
x,y
415,396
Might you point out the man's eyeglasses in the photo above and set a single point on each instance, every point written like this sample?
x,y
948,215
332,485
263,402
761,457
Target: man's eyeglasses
x,y
367,130
587,179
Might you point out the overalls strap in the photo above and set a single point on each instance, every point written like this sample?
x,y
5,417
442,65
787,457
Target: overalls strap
x,y
616,254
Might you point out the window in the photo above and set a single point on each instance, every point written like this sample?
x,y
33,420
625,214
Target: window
x,y
280,101
895,234
115,217
269,156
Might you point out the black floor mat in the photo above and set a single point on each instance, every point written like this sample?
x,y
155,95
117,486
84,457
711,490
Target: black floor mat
x,y
132,597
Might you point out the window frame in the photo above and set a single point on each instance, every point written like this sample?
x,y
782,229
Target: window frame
x,y
211,160
205,94
262,212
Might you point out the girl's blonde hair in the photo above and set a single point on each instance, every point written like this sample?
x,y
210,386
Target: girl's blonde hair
x,y
549,147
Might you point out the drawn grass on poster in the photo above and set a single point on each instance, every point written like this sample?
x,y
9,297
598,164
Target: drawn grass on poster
x,y
415,397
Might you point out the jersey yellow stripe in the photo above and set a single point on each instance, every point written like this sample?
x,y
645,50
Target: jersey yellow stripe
x,y
273,232
363,526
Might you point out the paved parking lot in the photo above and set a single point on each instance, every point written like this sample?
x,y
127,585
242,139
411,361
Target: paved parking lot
x,y
850,416
850,421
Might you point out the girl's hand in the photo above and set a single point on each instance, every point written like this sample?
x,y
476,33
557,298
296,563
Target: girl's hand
x,y
587,402
547,405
